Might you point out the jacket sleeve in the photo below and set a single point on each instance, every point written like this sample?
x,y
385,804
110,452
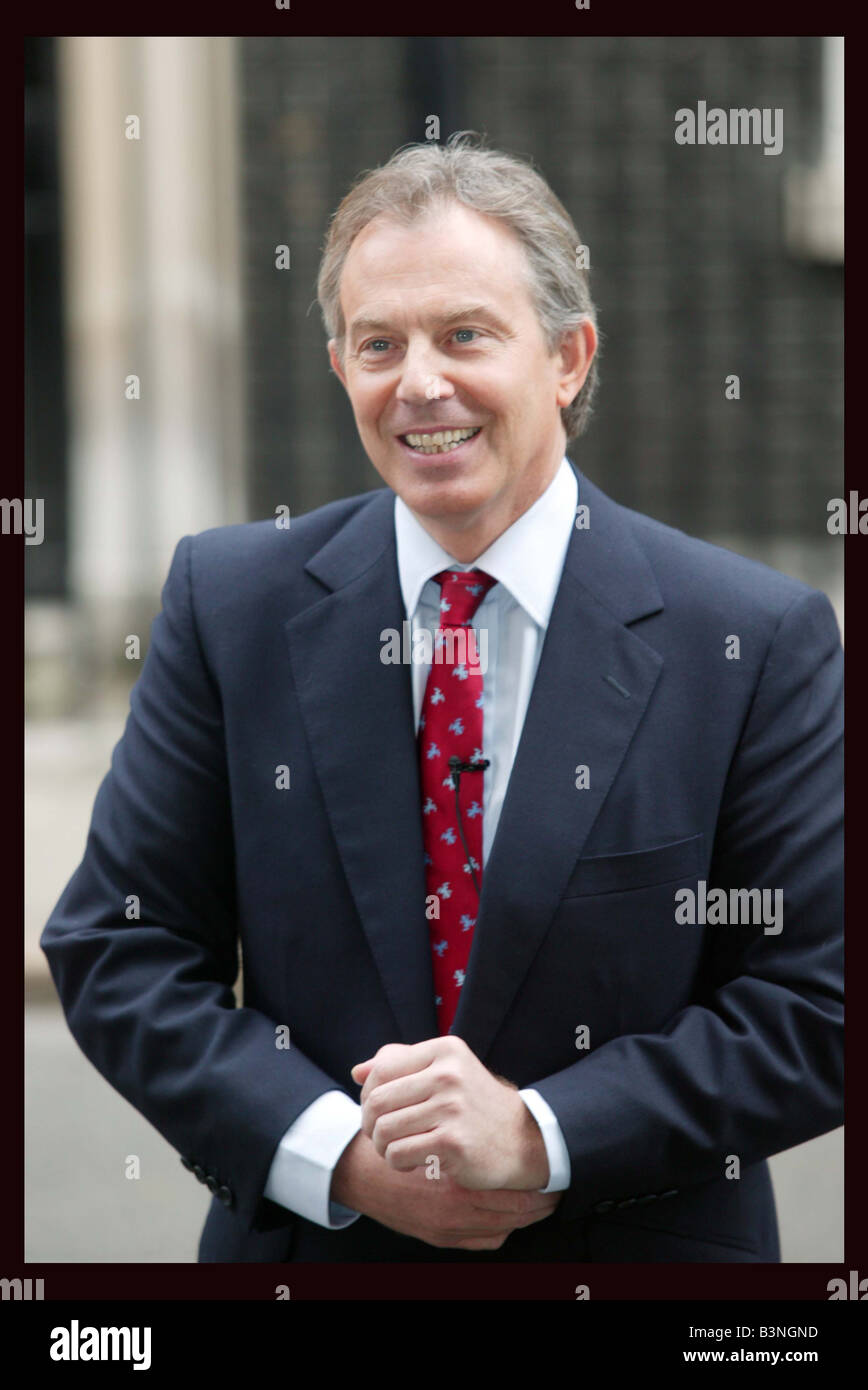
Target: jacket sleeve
x,y
143,943
755,1065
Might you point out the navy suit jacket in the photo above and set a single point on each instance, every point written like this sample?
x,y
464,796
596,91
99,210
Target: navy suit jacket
x,y
707,1043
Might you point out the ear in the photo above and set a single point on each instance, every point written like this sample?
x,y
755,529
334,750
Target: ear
x,y
576,353
336,365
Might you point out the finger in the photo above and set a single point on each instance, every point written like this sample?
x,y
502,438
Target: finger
x,y
405,1091
519,1218
513,1200
398,1059
490,1243
468,1229
417,1151
461,1240
413,1120
530,1218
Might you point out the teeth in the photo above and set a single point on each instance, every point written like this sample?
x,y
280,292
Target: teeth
x,y
440,442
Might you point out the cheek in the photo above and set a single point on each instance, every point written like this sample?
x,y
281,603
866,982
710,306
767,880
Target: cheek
x,y
368,401
369,424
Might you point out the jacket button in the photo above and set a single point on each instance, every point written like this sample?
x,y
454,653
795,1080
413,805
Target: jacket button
x,y
211,1183
224,1195
199,1171
602,1207
188,1163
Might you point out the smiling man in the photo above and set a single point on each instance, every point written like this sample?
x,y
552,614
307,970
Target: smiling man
x,y
443,338
475,1024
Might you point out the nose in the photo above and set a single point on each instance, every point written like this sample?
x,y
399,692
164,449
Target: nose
x,y
422,376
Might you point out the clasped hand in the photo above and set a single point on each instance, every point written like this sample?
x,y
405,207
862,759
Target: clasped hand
x,y
435,1100
448,1152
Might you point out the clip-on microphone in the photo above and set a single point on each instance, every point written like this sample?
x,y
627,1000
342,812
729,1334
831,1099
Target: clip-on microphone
x,y
456,767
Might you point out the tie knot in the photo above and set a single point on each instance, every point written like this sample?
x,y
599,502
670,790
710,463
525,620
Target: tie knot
x,y
461,592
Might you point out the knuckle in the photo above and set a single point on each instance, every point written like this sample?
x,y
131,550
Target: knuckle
x,y
373,1106
381,1130
445,1074
485,1243
392,1154
448,1154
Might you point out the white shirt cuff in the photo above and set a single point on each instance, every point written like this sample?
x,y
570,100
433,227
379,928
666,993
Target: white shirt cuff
x,y
301,1171
557,1152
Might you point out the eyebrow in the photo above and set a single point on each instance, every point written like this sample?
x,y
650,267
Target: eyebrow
x,y
366,324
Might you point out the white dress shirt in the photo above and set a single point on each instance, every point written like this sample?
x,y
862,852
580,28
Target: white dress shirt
x,y
527,561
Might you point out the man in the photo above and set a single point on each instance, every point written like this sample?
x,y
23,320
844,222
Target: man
x,y
524,809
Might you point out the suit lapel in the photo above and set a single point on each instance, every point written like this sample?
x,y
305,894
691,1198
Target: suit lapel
x,y
593,683
358,717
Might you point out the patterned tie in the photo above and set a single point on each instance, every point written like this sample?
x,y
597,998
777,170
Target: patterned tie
x,y
451,726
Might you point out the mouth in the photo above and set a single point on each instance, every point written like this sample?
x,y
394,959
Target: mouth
x,y
440,442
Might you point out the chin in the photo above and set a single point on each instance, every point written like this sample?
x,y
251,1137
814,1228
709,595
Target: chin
x,y
446,501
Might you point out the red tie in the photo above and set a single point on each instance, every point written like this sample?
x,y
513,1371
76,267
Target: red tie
x,y
450,726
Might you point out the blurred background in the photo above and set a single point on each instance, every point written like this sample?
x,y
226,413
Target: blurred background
x,y
177,379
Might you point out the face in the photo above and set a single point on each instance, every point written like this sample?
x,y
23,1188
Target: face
x,y
441,335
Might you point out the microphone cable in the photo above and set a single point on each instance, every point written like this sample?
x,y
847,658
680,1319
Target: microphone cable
x,y
456,767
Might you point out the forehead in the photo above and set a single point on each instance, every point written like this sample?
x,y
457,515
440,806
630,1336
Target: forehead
x,y
446,250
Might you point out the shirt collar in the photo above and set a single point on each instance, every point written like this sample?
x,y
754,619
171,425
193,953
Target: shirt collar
x,y
527,559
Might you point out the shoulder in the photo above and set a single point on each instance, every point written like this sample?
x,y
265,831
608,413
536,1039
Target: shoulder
x,y
698,581
258,560
238,581
275,539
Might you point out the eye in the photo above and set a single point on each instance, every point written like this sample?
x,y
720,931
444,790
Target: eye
x,y
374,342
466,330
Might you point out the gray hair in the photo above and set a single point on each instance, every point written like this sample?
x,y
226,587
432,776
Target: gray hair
x,y
488,181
